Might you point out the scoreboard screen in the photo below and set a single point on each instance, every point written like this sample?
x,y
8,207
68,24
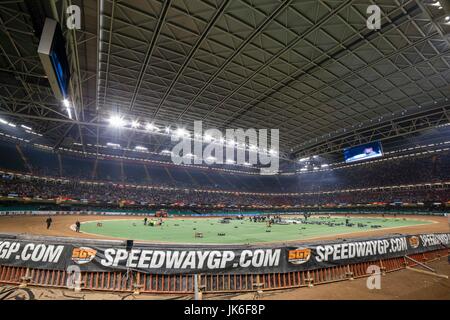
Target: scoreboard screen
x,y
52,52
363,152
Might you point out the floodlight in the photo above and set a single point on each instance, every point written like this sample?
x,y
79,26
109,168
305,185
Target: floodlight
x,y
135,124
116,121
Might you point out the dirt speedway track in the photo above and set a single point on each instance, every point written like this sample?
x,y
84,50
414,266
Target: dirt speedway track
x,y
403,284
35,225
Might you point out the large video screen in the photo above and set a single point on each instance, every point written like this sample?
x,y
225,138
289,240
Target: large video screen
x,y
59,61
52,52
363,152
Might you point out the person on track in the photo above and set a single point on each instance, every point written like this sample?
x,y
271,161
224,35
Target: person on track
x,y
49,222
77,226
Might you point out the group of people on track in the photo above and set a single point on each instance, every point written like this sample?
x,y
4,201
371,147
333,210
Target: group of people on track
x,y
263,218
153,223
49,222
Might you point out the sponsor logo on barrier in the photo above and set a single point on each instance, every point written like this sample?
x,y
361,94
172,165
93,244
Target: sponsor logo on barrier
x,y
414,242
83,255
165,260
299,256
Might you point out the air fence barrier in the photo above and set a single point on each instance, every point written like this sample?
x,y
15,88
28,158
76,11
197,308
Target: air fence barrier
x,y
119,266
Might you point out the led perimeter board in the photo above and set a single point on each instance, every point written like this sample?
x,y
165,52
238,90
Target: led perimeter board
x,y
363,152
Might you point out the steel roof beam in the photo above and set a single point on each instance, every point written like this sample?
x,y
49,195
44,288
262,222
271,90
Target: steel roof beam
x,y
236,52
384,57
191,53
385,130
281,52
333,57
149,52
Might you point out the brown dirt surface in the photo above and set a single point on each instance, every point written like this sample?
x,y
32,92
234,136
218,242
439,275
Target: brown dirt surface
x,y
398,285
404,284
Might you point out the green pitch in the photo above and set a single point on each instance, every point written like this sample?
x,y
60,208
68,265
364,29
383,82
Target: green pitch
x,y
237,231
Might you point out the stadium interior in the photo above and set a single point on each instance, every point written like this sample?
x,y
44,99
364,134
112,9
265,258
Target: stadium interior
x,y
91,125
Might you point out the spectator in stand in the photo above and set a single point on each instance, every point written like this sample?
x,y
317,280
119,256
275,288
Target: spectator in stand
x,y
314,188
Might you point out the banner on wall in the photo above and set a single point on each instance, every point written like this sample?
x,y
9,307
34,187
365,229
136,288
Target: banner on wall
x,y
170,259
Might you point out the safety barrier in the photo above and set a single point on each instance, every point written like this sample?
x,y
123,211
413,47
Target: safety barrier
x,y
132,281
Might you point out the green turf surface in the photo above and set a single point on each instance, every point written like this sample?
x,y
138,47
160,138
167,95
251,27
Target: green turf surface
x,y
238,231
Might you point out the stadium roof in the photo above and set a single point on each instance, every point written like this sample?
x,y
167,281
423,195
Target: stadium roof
x,y
311,69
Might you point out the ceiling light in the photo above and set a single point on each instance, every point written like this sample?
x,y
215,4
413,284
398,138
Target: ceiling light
x,y
114,145
66,103
25,127
151,127
135,124
181,132
116,121
69,113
